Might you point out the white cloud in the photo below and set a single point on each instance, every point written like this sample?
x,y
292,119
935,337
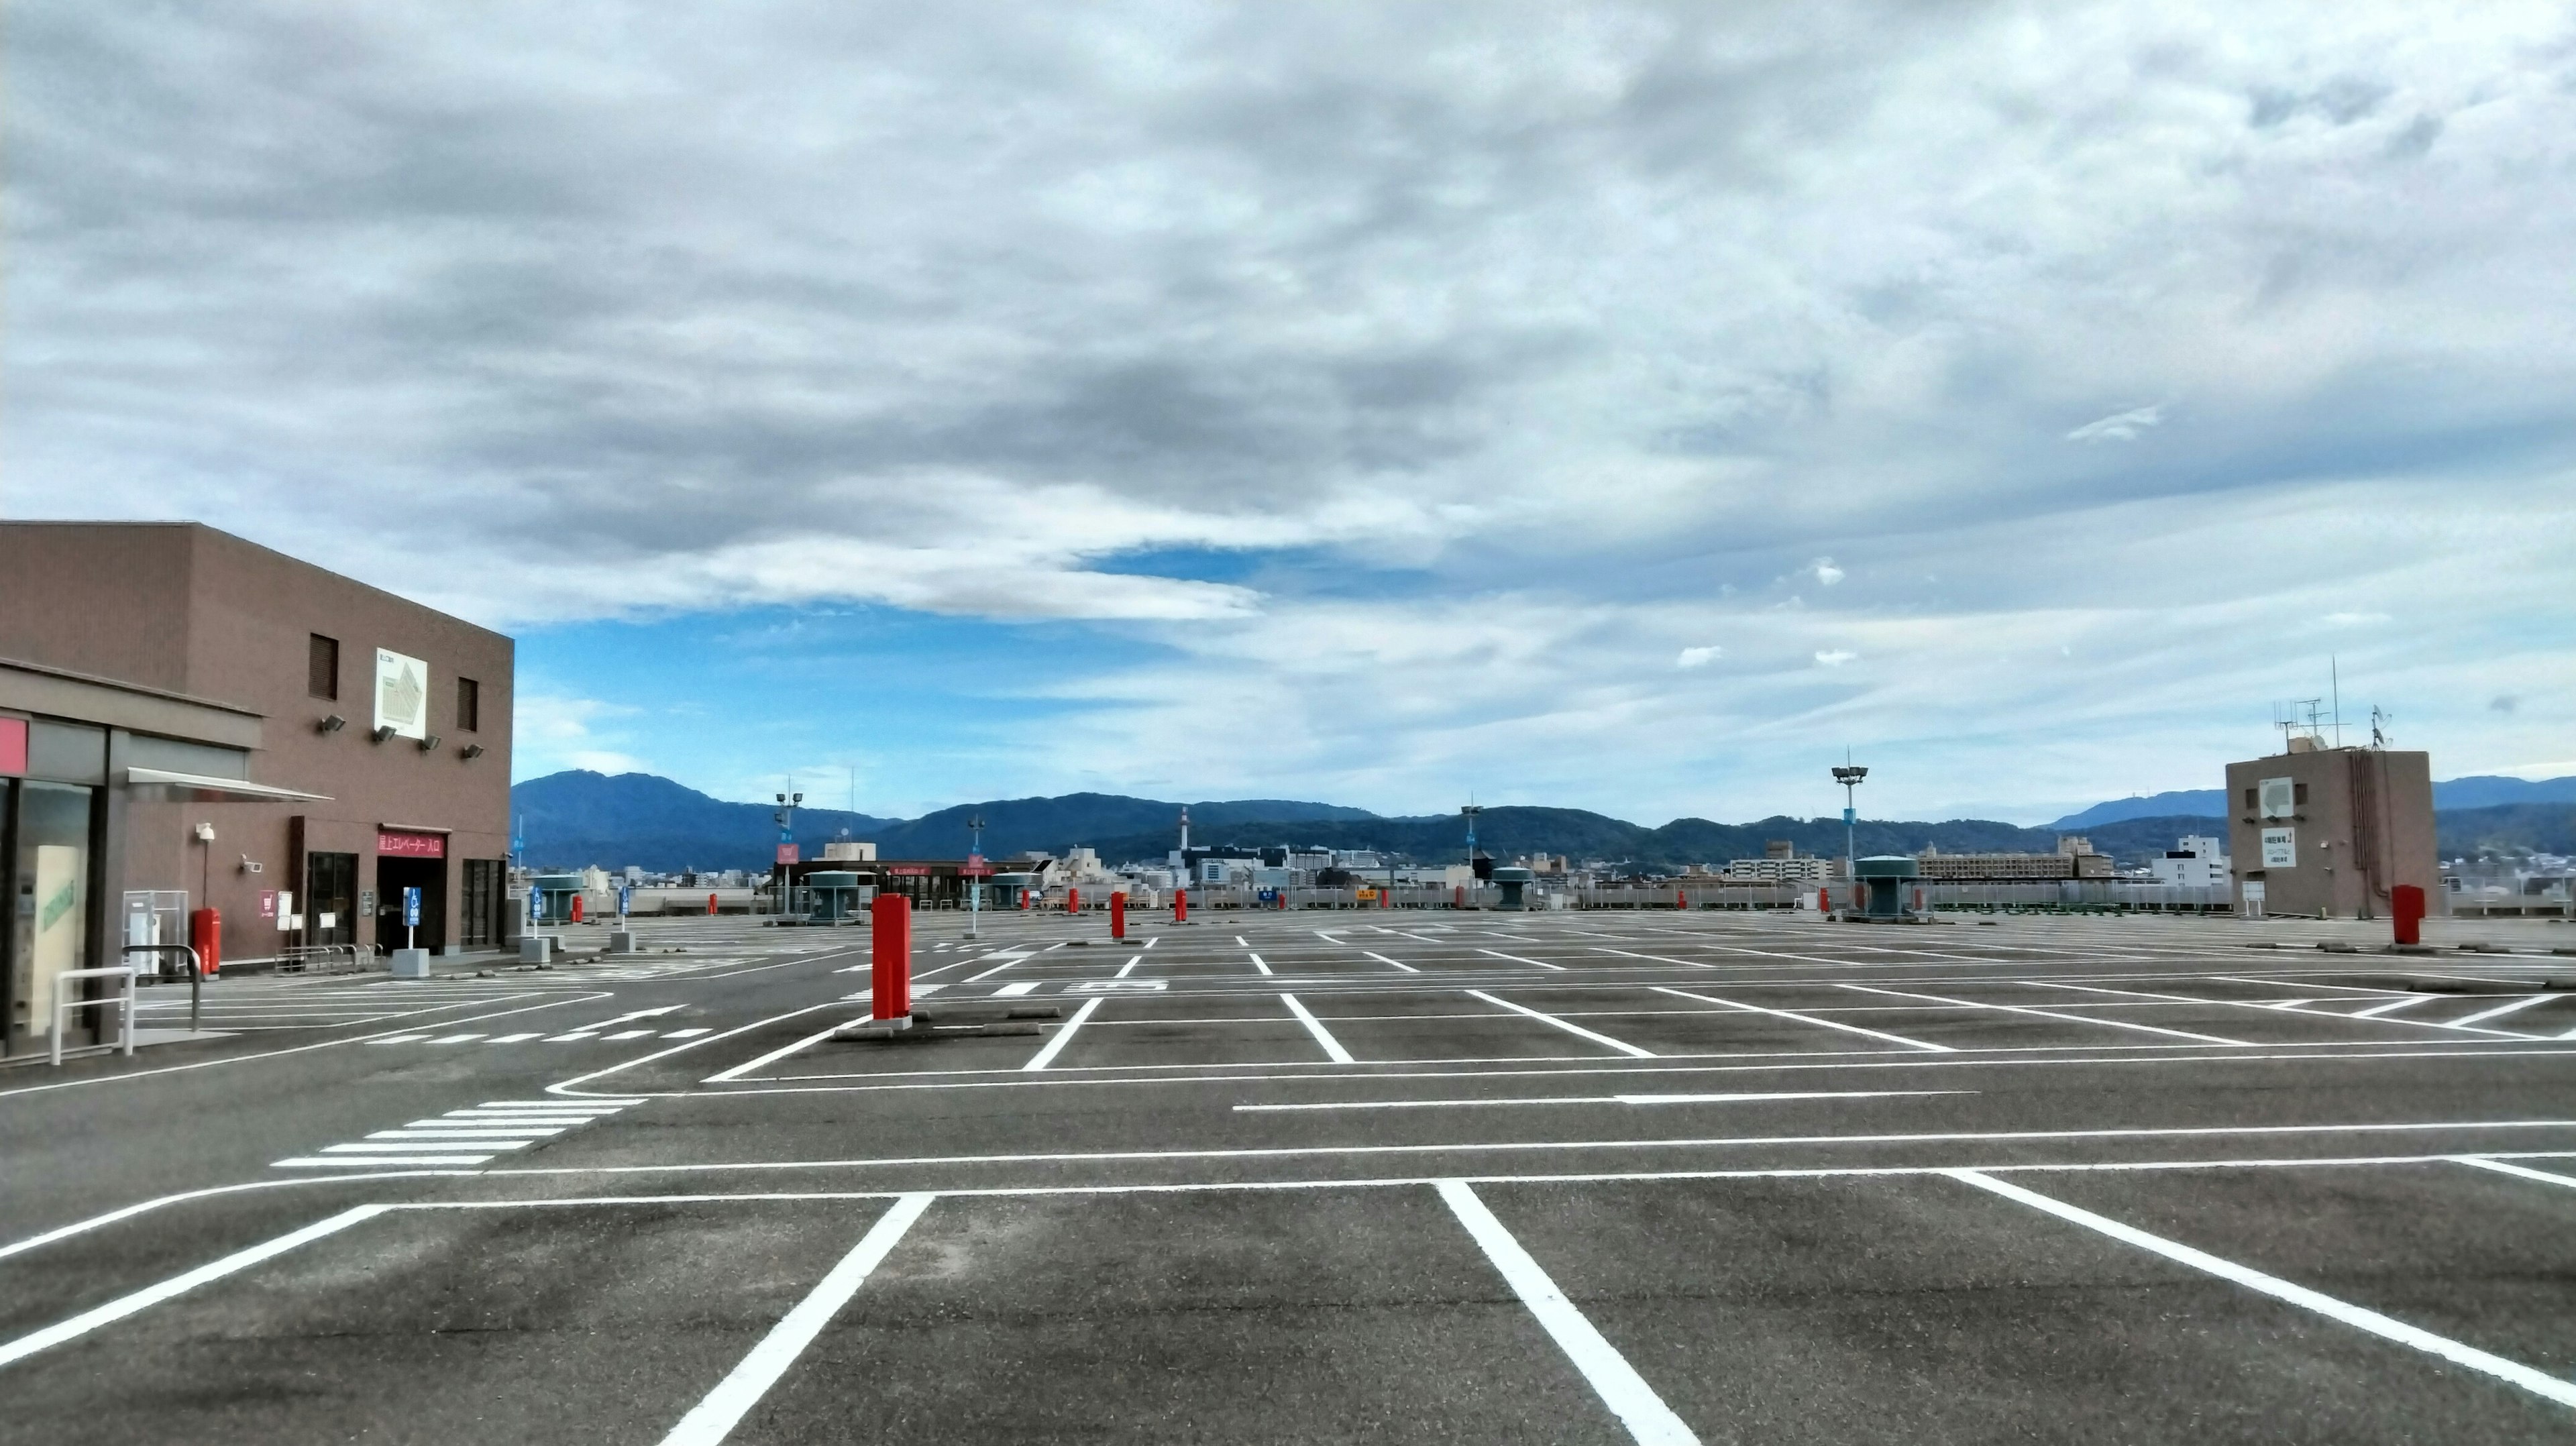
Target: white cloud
x,y
2119,427
1399,396
1699,657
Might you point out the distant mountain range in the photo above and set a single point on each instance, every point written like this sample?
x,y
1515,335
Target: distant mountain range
x,y
2484,790
571,819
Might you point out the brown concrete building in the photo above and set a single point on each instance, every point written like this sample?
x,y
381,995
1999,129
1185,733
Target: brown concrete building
x,y
158,680
2327,832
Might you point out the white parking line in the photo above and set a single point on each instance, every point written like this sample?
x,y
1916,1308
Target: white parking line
x,y
1657,958
1515,958
1809,1019
1470,1103
1568,1026
713,1418
144,1299
764,1061
2045,1013
1062,1037
1123,970
1625,1392
2507,1167
1013,991
1332,1047
2539,1383
2391,1007
2501,1010
1258,964
1398,963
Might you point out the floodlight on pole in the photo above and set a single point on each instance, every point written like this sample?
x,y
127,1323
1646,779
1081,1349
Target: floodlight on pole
x,y
1849,776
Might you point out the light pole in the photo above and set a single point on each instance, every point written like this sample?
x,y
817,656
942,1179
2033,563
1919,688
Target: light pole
x,y
786,816
1849,777
1471,810
974,888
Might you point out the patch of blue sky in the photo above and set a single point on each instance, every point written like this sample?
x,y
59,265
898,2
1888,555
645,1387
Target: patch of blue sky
x,y
1314,572
732,702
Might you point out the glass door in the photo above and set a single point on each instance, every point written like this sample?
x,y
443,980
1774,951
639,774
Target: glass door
x,y
50,927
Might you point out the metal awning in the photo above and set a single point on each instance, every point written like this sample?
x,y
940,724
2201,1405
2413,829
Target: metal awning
x,y
199,788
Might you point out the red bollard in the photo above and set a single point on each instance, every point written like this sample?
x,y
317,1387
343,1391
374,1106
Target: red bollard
x,y
1458,899
206,936
576,908
2406,904
1386,898
1118,916
1073,901
1180,906
1680,899
1024,900
890,957
1824,901
711,906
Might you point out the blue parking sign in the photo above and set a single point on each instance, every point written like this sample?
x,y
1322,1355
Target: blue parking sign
x,y
411,908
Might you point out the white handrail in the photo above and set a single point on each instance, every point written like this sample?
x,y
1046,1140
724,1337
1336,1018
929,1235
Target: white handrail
x,y
61,1004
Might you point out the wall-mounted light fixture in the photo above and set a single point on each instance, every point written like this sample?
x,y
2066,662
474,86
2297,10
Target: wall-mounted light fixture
x,y
430,743
382,732
205,833
471,750
332,724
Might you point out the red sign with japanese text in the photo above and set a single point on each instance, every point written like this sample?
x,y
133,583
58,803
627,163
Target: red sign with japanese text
x,y
787,854
392,844
13,745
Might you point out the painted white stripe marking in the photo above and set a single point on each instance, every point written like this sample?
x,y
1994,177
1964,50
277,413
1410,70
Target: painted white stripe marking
x,y
569,1038
1006,963
446,1130
1568,1026
144,1299
773,1057
1056,1043
1332,1047
399,1039
1014,991
1515,958
2046,1013
1625,1392
416,1146
1729,1099
687,1033
515,1038
373,1162
1809,1019
456,1039
1654,958
1128,968
1398,963
2504,1009
626,1034
2539,1383
1258,964
2391,1007
724,1407
2507,1167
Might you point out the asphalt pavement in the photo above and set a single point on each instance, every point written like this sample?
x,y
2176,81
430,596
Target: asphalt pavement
x,y
1326,1176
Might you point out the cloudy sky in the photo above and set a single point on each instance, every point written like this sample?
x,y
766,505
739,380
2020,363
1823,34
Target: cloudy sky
x,y
1625,407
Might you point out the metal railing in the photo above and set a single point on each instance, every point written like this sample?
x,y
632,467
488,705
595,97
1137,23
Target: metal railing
x,y
196,978
304,959
63,1006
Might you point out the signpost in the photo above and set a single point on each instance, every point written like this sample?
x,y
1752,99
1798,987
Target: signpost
x,y
975,869
411,916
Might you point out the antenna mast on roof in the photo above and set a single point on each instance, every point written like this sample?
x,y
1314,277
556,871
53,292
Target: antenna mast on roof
x,y
2334,681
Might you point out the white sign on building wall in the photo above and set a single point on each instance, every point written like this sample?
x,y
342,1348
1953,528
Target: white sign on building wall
x,y
2279,797
2280,848
402,694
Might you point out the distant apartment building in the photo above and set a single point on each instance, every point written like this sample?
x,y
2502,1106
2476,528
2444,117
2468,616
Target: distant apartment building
x,y
1941,868
1776,869
2329,832
2196,861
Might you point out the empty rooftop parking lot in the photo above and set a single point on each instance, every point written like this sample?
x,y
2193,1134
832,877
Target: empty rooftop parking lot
x,y
1318,1176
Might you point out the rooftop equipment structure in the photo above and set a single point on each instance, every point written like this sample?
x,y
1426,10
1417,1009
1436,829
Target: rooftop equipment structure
x,y
1886,885
550,897
836,898
1515,883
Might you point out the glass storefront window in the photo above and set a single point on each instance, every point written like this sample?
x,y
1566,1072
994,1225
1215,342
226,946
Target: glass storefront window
x,y
50,927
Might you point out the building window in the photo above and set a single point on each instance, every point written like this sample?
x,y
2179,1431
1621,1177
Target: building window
x,y
322,667
469,705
